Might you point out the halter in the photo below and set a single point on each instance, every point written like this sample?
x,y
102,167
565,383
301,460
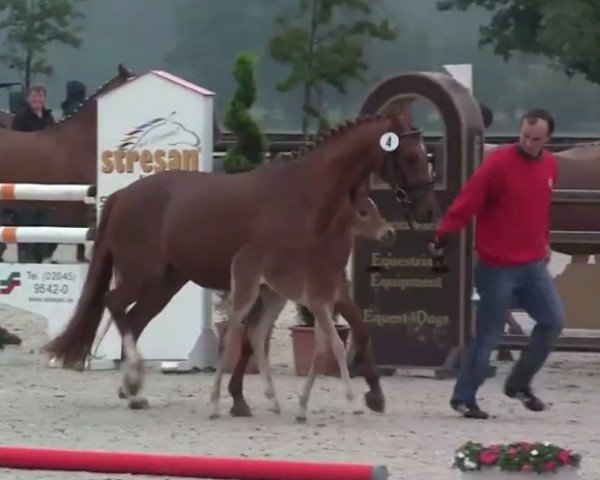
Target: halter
x,y
401,192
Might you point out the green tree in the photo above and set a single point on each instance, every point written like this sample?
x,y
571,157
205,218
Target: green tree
x,y
249,150
565,32
323,45
32,25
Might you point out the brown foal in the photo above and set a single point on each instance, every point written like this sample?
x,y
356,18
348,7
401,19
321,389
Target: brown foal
x,y
312,275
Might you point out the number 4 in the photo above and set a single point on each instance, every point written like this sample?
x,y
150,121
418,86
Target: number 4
x,y
389,141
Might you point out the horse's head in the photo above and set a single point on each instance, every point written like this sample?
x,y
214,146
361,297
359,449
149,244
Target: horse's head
x,y
368,223
401,160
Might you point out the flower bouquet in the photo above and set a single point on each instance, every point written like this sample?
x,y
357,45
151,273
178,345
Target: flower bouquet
x,y
508,461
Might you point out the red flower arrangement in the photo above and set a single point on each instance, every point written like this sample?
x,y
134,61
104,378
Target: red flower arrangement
x,y
515,457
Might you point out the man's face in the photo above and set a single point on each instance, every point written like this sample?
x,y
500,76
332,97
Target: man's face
x,y
533,137
36,100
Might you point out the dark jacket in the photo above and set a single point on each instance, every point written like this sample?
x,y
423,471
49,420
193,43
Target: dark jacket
x,y
27,121
75,96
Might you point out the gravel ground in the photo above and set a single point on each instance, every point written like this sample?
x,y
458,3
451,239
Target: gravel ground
x,y
415,438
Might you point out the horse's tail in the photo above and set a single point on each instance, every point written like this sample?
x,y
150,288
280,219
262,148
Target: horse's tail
x,y
74,344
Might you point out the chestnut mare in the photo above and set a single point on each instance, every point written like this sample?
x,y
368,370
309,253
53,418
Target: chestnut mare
x,y
312,274
199,221
62,153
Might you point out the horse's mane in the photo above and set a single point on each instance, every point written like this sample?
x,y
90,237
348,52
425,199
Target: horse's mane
x,y
325,136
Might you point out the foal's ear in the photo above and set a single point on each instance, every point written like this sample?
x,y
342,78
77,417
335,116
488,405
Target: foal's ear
x,y
359,191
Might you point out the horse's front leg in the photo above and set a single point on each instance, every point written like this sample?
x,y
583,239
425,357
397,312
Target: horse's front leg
x,y
347,308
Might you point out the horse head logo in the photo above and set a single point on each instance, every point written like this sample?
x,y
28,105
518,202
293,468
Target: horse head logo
x,y
161,130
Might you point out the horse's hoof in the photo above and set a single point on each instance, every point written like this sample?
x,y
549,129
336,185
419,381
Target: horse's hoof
x,y
138,403
240,411
300,419
276,409
121,393
375,402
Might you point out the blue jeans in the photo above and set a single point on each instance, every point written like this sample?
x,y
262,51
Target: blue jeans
x,y
497,287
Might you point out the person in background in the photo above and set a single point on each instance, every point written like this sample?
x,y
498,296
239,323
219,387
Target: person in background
x,y
35,116
74,97
510,196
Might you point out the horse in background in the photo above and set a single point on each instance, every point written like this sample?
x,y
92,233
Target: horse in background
x,y
65,152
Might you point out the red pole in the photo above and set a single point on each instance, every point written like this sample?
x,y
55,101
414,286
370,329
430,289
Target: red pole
x,y
183,465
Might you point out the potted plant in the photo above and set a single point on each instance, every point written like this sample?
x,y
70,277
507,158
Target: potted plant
x,y
303,345
516,460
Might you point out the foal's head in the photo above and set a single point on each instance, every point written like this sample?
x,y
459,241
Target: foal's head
x,y
368,222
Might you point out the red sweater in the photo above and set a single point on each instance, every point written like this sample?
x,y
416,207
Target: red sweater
x,y
510,197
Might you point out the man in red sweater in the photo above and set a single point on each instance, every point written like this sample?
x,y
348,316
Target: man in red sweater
x,y
510,196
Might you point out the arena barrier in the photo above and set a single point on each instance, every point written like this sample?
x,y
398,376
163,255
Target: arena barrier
x,y
44,289
96,461
53,193
135,138
565,343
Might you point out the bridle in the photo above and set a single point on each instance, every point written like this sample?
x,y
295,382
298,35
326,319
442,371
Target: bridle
x,y
401,192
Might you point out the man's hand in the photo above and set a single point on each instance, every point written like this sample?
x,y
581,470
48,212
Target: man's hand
x,y
435,250
437,256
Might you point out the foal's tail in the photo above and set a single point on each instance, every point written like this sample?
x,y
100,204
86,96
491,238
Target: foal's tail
x,y
74,344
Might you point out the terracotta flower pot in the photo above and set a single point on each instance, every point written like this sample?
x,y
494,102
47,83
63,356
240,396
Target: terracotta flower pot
x,y
303,344
252,368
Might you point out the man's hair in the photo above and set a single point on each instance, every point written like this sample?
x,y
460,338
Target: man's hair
x,y
535,114
37,89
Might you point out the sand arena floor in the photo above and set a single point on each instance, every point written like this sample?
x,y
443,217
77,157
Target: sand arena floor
x,y
415,438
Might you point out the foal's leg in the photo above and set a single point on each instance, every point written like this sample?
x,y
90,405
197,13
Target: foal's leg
x,y
337,345
258,333
244,294
351,312
324,320
320,344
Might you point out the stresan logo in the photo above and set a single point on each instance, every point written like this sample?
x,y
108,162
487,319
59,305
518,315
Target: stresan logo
x,y
9,284
163,143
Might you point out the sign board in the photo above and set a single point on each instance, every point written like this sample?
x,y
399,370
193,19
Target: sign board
x,y
417,317
153,123
51,291
412,312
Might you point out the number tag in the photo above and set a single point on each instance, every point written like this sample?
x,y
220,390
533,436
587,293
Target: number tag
x,y
389,141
